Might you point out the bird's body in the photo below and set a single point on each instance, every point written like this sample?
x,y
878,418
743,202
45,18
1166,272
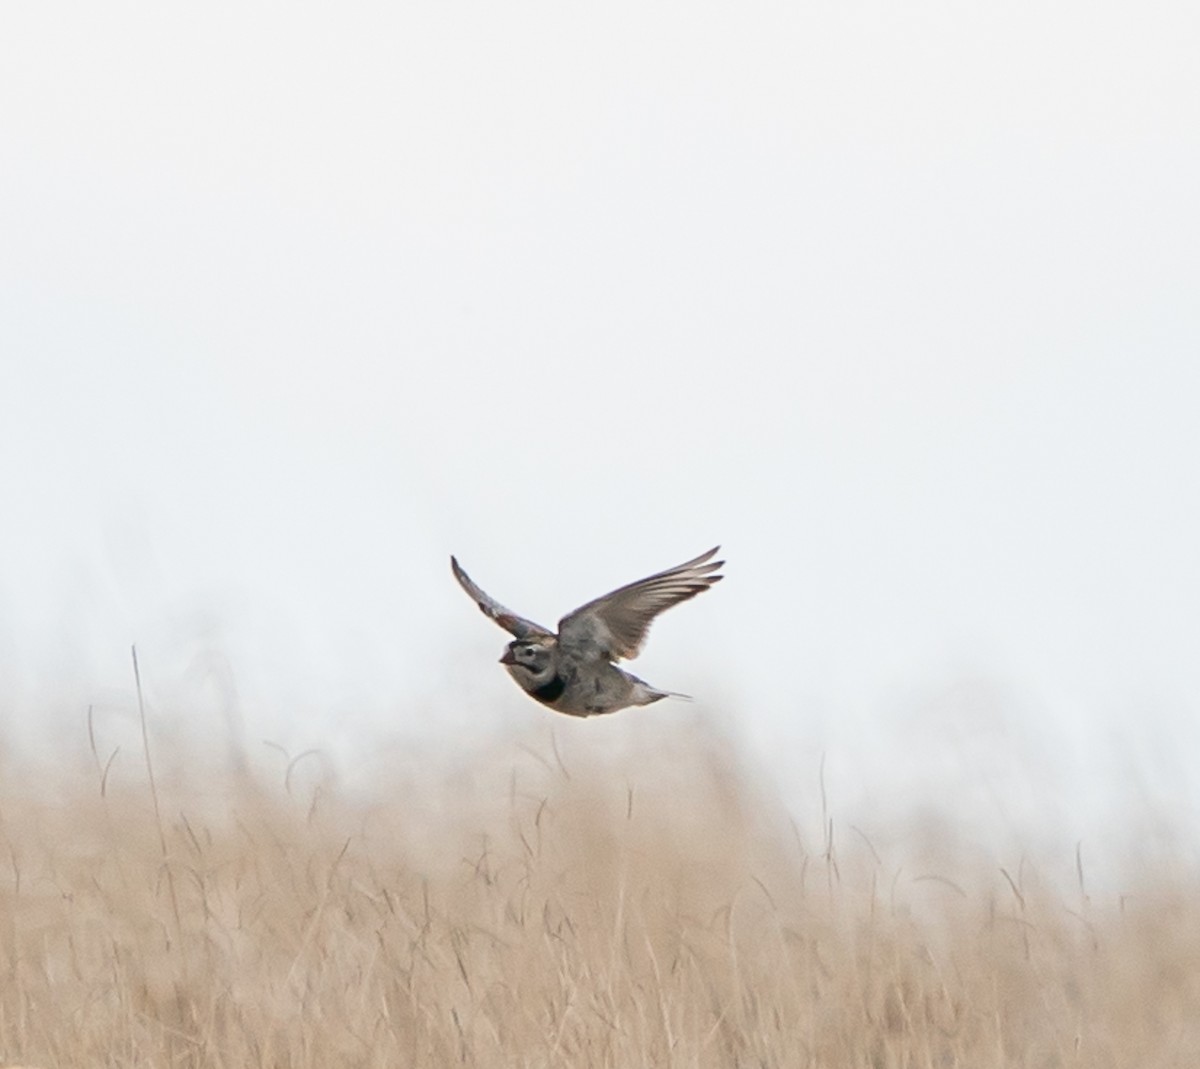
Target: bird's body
x,y
567,682
572,671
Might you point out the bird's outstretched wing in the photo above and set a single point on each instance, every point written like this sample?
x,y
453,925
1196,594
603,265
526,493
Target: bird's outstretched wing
x,y
506,618
615,625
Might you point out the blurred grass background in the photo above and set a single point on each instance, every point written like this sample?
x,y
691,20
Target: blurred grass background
x,y
549,901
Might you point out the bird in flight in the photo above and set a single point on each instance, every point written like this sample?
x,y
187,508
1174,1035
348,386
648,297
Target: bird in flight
x,y
573,672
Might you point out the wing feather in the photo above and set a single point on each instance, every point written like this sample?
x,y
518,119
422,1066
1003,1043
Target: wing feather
x,y
618,622
506,618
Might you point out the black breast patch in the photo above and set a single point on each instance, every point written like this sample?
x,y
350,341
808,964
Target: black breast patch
x,y
550,692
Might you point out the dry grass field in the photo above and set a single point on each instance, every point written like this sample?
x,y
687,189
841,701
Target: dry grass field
x,y
542,908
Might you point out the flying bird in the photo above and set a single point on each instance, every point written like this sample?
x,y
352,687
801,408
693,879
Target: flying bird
x,y
573,672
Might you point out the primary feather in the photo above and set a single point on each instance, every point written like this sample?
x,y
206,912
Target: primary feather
x,y
618,622
506,618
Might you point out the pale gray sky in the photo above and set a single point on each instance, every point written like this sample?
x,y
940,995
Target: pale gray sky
x,y
898,302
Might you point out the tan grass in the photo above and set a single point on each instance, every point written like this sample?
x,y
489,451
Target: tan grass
x,y
538,910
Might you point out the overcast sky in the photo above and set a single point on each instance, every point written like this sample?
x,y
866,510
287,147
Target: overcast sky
x,y
899,303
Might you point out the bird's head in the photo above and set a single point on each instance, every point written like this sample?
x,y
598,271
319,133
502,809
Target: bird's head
x,y
530,661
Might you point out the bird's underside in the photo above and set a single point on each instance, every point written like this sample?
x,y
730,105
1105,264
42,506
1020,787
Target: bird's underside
x,y
583,690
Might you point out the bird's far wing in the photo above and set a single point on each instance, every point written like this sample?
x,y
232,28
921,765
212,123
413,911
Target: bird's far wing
x,y
616,625
506,618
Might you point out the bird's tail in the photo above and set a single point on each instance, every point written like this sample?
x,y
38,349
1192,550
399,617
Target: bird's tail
x,y
644,694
